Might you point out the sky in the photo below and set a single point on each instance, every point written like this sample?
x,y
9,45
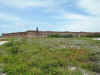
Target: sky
x,y
49,15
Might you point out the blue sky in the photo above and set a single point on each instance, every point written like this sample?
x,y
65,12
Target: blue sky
x,y
56,15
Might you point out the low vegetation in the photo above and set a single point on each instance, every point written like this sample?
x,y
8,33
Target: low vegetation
x,y
61,36
50,56
93,35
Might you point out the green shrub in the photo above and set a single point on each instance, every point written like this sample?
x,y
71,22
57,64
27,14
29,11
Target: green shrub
x,y
61,36
44,57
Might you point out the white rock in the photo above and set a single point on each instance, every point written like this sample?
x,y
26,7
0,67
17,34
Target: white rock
x,y
3,42
96,39
72,68
3,74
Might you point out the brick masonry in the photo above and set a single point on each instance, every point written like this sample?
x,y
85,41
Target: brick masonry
x,y
37,33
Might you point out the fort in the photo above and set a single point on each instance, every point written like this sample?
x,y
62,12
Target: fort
x,y
37,33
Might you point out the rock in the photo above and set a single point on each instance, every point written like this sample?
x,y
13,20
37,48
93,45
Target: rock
x,y
3,42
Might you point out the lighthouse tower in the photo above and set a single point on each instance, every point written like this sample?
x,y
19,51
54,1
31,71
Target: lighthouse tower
x,y
37,29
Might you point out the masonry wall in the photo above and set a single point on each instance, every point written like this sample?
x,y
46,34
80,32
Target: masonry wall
x,y
32,34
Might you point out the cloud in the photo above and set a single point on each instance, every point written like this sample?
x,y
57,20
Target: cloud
x,y
54,12
23,3
74,16
90,6
8,17
78,22
87,26
82,22
86,23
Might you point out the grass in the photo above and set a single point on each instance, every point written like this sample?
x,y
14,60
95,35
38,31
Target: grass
x,y
49,56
